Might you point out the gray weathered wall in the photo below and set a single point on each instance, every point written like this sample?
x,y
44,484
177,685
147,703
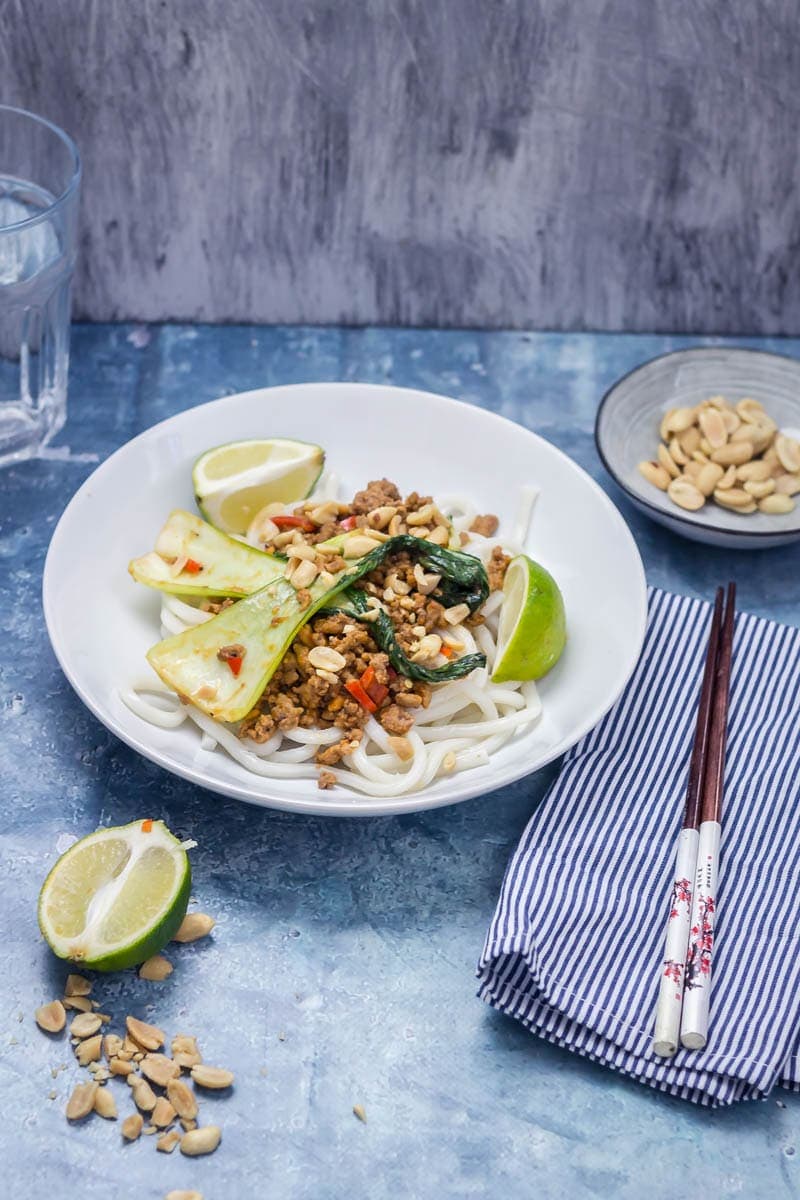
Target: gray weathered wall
x,y
600,164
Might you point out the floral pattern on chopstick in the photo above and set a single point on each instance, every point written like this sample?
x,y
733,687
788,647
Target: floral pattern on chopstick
x,y
701,944
681,894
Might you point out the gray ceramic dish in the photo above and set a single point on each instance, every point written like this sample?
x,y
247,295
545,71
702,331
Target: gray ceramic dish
x,y
626,431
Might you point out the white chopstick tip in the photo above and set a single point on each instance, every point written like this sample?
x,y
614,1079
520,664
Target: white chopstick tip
x,y
693,1041
665,1049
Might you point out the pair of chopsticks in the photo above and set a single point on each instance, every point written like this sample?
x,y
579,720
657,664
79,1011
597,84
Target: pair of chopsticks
x,y
682,1011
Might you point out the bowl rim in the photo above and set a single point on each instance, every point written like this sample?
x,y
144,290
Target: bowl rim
x,y
350,806
678,515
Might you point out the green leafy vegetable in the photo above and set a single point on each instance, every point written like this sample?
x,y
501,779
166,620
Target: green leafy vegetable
x,y
383,632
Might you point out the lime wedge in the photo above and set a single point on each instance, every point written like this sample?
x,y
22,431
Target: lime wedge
x,y
116,897
233,482
533,630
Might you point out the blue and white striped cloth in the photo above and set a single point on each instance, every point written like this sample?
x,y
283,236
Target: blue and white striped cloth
x,y
574,950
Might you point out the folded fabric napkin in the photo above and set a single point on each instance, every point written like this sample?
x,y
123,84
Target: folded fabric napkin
x,y
575,947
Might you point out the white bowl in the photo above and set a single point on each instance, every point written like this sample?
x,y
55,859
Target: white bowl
x,y
101,623
626,433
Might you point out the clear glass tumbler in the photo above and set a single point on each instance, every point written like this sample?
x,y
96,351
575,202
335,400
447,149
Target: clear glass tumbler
x,y
39,181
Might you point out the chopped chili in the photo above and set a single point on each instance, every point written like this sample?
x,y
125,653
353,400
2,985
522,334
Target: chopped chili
x,y
446,650
147,826
357,692
349,523
193,567
235,665
294,523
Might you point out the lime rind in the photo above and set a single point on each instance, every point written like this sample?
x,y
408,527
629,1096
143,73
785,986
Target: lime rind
x,y
86,946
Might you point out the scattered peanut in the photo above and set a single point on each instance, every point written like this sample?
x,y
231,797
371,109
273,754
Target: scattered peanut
x,y
81,1102
182,1098
159,1069
78,1003
183,1195
77,985
149,1037
325,658
143,1095
168,1141
90,1050
105,1104
360,1112
402,747
112,1044
163,1113
131,1127
156,968
201,1141
211,1077
85,1025
194,926
51,1017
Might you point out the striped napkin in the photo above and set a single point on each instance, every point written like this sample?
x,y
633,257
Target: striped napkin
x,y
574,949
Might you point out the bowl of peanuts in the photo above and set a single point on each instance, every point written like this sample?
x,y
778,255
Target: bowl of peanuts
x,y
707,442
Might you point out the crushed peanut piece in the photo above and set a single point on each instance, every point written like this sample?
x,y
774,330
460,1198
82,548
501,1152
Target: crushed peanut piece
x,y
159,1069
168,1141
211,1077
194,926
81,1102
131,1127
105,1105
148,1037
85,1025
156,968
51,1017
77,985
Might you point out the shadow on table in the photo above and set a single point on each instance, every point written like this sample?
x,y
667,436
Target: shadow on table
x,y
615,1091
392,873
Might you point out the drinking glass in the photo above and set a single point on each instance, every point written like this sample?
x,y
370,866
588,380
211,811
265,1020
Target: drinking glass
x,y
39,181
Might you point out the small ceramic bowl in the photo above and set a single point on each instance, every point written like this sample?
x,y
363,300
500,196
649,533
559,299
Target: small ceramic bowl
x,y
626,432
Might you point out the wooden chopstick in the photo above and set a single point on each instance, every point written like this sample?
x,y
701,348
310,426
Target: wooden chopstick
x,y
670,995
697,978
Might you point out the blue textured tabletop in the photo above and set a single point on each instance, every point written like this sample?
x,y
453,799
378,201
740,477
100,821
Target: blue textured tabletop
x,y
341,970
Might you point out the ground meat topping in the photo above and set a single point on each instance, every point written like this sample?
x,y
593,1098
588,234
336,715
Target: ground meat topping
x,y
329,756
396,720
236,650
486,525
377,493
326,780
496,568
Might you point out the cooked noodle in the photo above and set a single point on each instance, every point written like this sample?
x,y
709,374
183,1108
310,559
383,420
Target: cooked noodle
x,y
466,721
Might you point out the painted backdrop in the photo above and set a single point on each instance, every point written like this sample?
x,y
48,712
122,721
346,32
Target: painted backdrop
x,y
598,164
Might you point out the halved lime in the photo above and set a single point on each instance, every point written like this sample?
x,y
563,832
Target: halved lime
x,y
533,629
233,482
116,897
